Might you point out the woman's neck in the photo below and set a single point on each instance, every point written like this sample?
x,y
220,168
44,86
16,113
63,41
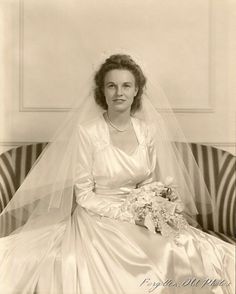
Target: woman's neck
x,y
119,119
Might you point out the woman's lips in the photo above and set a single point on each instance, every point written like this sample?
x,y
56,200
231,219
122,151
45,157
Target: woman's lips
x,y
119,100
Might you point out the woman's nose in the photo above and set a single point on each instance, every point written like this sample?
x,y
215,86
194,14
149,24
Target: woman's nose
x,y
119,91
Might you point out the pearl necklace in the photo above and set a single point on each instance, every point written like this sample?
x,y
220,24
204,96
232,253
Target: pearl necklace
x,y
115,127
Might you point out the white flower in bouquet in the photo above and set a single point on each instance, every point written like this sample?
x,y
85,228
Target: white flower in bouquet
x,y
158,205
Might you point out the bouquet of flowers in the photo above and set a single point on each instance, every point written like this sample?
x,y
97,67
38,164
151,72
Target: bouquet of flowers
x,y
158,206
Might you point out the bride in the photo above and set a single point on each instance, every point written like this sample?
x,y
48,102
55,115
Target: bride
x,y
65,232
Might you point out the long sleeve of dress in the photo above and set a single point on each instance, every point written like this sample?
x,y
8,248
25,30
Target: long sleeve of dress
x,y
85,184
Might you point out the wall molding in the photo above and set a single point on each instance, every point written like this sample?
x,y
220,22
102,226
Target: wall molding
x,y
16,143
21,55
24,108
60,109
19,143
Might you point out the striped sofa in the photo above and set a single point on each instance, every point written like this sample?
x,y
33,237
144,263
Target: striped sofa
x,y
218,168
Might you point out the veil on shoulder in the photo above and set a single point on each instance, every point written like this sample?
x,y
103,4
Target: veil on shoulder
x,y
46,197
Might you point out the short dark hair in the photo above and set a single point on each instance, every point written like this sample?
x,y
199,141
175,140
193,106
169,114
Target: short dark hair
x,y
119,61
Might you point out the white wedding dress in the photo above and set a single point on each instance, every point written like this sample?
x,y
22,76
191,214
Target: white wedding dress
x,y
97,251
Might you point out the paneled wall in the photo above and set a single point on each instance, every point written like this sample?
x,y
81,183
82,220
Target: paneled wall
x,y
48,47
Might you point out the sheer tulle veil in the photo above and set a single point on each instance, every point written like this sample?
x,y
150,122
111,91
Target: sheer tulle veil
x,y
46,197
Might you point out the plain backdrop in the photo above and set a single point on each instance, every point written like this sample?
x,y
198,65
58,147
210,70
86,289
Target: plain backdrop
x,y
47,47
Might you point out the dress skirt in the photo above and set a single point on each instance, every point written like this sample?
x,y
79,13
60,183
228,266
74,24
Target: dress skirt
x,y
91,254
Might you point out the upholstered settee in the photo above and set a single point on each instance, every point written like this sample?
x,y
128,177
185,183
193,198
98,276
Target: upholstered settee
x,y
218,168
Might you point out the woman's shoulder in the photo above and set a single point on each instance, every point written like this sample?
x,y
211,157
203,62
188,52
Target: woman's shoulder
x,y
147,130
94,128
141,122
91,124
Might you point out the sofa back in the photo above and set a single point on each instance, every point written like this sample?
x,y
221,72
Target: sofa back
x,y
14,167
218,168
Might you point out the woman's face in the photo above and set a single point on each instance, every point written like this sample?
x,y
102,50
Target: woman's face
x,y
119,89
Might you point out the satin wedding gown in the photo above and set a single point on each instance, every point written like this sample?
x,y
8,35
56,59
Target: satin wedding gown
x,y
97,251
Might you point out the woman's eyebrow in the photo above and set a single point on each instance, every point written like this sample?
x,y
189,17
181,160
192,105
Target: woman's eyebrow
x,y
109,82
113,83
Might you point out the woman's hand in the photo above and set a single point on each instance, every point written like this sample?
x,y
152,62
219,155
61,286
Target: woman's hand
x,y
140,223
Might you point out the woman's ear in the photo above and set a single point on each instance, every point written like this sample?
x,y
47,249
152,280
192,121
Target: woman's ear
x,y
136,91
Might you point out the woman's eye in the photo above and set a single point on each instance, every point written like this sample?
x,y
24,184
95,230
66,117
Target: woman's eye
x,y
127,86
110,86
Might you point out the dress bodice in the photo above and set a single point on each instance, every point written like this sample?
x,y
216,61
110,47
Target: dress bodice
x,y
106,172
114,169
